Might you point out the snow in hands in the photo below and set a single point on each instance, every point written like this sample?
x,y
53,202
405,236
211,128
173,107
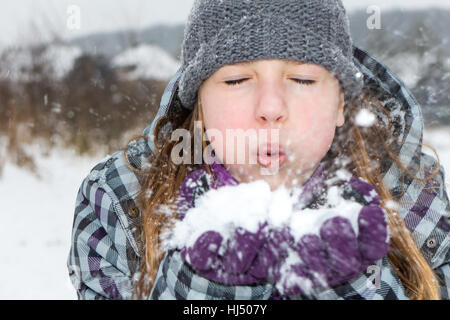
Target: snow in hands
x,y
246,233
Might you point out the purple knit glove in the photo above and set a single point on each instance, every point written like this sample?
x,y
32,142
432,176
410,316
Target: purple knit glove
x,y
270,257
232,266
337,254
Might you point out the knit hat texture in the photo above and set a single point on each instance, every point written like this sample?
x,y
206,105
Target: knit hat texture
x,y
221,32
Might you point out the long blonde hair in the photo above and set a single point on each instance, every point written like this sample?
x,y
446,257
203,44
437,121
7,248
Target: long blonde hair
x,y
366,147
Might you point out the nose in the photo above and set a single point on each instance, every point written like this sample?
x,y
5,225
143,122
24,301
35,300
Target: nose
x,y
271,106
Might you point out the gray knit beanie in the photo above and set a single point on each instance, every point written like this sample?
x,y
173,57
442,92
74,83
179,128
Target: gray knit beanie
x,y
220,32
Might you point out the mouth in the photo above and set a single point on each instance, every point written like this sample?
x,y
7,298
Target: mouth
x,y
271,155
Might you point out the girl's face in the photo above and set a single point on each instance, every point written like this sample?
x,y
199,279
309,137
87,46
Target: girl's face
x,y
297,104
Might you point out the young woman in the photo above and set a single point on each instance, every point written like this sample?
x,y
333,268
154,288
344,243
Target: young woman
x,y
288,66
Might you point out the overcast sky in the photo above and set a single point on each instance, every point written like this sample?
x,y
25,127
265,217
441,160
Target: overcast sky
x,y
31,20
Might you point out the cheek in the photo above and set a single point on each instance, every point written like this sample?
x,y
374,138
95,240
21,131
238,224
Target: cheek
x,y
221,118
222,111
313,128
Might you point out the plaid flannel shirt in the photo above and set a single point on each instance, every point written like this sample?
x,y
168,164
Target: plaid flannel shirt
x,y
106,250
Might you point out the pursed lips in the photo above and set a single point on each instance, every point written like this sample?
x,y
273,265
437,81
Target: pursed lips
x,y
270,154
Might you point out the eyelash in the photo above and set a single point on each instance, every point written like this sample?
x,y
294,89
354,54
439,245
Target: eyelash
x,y
300,81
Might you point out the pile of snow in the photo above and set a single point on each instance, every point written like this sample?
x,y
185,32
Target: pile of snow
x,y
62,58
57,59
16,64
250,205
146,62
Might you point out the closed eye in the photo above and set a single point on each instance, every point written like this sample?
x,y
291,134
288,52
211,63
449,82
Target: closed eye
x,y
305,82
235,82
300,81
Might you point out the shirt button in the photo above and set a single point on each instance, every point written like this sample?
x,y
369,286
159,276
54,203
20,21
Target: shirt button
x,y
431,243
133,210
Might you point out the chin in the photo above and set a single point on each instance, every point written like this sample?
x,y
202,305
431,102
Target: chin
x,y
275,181
275,178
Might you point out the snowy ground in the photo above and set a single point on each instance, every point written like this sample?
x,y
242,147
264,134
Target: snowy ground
x,y
37,216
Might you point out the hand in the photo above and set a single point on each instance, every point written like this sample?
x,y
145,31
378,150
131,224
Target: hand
x,y
232,267
272,254
227,263
337,254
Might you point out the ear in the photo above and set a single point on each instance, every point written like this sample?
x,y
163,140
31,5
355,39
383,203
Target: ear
x,y
340,116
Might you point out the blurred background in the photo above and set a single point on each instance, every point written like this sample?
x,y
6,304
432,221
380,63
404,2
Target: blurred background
x,y
78,79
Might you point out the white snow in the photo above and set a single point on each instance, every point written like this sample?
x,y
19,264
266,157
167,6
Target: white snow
x,y
148,61
249,205
17,63
37,218
62,58
365,118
